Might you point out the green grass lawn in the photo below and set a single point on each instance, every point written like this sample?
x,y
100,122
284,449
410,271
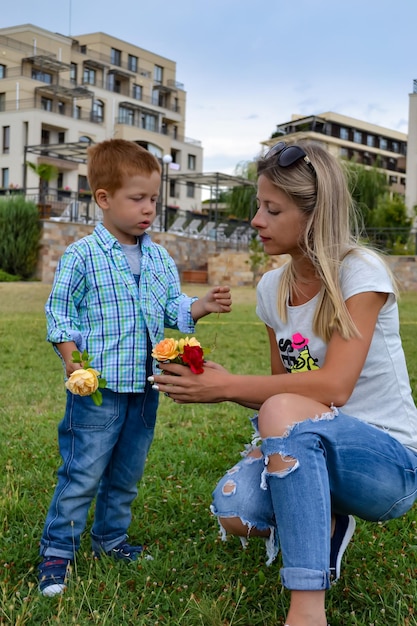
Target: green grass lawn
x,y
194,579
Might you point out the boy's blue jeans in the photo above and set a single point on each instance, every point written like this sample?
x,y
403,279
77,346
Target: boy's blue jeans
x,y
343,465
104,450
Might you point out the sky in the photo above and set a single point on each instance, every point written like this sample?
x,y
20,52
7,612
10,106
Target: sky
x,y
247,67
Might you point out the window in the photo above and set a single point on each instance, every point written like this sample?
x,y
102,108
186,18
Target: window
x,y
116,57
137,92
2,101
132,63
45,77
149,122
357,136
6,139
370,141
190,190
113,84
45,137
156,98
2,71
395,146
191,161
158,73
77,112
83,182
83,49
46,104
344,133
126,116
98,111
383,144
89,76
61,107
5,177
344,153
73,73
173,188
61,136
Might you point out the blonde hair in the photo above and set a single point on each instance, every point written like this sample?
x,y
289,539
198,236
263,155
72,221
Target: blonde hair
x,y
111,161
321,193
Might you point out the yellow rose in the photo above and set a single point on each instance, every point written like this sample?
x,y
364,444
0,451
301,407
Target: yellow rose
x,y
166,350
192,341
83,382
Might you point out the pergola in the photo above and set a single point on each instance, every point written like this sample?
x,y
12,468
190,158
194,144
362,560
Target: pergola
x,y
76,152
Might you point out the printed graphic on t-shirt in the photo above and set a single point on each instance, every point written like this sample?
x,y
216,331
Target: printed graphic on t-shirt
x,y
295,354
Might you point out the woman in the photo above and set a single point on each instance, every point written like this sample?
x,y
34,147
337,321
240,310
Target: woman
x,y
339,438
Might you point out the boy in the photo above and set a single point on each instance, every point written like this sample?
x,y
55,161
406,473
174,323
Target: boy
x,y
114,292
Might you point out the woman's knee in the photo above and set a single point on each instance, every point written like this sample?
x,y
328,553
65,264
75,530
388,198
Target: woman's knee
x,y
280,412
277,414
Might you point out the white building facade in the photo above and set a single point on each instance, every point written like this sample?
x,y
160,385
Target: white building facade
x,y
66,92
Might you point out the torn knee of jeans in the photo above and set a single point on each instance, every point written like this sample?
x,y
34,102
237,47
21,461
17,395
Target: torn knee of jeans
x,y
293,464
290,462
229,488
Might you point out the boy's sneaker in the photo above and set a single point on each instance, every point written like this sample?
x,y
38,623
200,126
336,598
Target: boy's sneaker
x,y
343,532
53,575
125,552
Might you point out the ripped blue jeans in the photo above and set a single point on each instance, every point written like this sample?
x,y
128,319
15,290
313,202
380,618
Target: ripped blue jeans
x,y
342,465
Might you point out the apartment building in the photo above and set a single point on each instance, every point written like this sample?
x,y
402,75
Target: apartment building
x,y
411,190
349,138
58,94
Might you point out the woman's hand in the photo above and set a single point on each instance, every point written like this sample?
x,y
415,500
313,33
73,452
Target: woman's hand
x,y
181,385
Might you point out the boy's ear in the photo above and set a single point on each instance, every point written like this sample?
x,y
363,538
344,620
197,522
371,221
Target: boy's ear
x,y
101,196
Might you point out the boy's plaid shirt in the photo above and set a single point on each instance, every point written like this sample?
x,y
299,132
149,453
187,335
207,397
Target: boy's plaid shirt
x,y
96,302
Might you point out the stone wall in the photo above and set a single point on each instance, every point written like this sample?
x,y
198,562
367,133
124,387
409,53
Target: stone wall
x,y
223,267
188,253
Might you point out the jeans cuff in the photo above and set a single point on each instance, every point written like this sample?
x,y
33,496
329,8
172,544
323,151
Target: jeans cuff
x,y
301,579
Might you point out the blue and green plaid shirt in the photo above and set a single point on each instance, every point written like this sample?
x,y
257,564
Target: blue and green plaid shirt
x,y
96,303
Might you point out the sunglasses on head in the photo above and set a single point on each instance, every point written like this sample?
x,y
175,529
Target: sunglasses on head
x,y
288,155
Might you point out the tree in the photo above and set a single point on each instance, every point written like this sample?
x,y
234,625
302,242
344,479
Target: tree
x,y
241,199
367,186
46,173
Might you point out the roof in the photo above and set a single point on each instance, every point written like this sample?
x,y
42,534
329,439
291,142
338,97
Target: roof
x,y
213,179
77,152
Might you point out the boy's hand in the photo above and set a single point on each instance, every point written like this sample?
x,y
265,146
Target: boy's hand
x,y
70,367
217,300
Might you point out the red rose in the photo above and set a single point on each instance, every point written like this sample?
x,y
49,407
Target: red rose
x,y
194,357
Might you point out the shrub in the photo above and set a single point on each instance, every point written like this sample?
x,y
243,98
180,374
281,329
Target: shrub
x,y
8,278
20,232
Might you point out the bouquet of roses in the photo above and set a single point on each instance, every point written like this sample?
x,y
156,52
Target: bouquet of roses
x,y
186,351
86,381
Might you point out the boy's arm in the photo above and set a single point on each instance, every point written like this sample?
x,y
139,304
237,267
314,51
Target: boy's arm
x,y
66,349
217,300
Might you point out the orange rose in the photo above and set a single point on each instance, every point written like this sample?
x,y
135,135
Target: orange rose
x,y
166,350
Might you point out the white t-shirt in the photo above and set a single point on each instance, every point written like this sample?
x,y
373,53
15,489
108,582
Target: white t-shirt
x,y
382,395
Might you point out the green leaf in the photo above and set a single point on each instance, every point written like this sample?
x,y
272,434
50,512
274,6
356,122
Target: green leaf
x,y
97,398
76,357
102,382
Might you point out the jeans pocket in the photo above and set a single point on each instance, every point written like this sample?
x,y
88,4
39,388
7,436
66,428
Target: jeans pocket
x,y
82,413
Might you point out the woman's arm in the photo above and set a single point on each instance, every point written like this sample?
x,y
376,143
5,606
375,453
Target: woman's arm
x,y
332,384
